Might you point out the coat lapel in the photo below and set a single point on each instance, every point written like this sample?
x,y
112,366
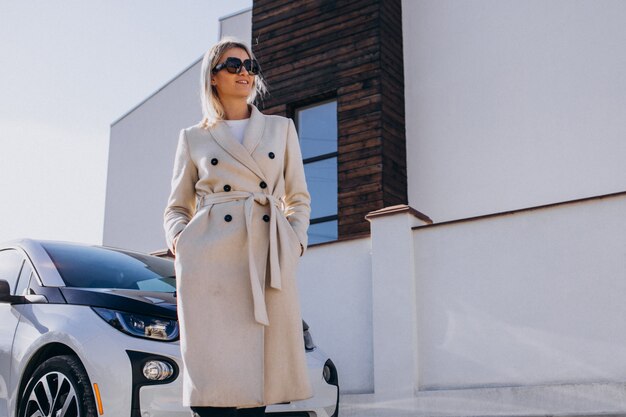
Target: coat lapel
x,y
251,139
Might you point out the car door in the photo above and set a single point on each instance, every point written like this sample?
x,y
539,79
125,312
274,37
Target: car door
x,y
11,262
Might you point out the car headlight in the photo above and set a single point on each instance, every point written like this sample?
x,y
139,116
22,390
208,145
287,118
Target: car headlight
x,y
157,370
138,325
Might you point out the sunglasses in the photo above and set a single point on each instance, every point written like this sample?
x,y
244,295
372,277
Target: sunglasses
x,y
234,65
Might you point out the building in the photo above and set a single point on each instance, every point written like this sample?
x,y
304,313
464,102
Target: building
x,y
475,246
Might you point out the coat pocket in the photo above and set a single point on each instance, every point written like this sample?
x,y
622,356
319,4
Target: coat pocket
x,y
182,236
293,237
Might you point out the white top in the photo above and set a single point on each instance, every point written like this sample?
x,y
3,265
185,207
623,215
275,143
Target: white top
x,y
237,127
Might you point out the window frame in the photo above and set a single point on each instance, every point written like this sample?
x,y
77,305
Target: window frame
x,y
295,109
22,260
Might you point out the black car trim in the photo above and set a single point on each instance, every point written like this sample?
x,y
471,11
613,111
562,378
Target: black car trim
x,y
132,301
334,380
52,294
137,360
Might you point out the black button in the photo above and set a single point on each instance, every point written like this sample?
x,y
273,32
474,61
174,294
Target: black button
x,y
266,218
228,217
271,155
214,161
263,184
227,187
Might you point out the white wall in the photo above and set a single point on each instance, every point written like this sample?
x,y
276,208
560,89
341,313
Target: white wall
x,y
141,153
141,159
238,24
513,104
335,282
530,298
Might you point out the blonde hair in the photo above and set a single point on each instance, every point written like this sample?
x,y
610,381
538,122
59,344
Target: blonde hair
x,y
212,109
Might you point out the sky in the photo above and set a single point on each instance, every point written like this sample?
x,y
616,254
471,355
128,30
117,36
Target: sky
x,y
68,69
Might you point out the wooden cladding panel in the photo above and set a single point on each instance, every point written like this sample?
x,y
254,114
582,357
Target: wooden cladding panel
x,y
352,184
363,140
299,27
286,84
351,51
282,66
302,10
392,66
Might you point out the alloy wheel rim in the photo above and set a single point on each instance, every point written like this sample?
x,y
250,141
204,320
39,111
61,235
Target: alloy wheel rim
x,y
53,395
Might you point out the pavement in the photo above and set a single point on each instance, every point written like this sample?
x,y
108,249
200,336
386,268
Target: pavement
x,y
593,399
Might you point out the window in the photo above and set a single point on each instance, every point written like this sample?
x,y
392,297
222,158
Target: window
x,y
102,267
317,130
24,280
10,266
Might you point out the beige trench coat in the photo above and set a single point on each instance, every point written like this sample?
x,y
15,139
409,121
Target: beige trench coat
x,y
243,213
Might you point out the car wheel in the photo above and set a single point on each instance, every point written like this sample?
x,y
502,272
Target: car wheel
x,y
59,387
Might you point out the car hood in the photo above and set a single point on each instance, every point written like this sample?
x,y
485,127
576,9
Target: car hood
x,y
162,304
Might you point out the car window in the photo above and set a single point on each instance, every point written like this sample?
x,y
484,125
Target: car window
x,y
102,267
24,279
10,266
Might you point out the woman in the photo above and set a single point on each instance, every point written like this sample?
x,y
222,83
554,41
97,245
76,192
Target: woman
x,y
237,220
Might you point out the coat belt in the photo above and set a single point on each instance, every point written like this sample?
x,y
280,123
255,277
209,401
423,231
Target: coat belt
x,y
258,295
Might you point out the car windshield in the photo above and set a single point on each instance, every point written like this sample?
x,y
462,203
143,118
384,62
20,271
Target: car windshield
x,y
102,267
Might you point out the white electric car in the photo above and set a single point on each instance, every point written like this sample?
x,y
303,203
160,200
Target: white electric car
x,y
89,331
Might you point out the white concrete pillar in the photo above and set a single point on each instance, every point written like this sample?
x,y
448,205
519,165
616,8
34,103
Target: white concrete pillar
x,y
394,310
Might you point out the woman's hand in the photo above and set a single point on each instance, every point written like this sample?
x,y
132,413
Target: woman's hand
x,y
174,242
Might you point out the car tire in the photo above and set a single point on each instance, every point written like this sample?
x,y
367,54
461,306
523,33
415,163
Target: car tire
x,y
66,379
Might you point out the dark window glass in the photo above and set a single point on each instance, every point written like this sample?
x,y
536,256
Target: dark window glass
x,y
24,280
321,178
323,232
10,265
100,267
317,131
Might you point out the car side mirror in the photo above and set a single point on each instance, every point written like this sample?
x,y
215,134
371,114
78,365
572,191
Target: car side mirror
x,y
5,289
5,294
